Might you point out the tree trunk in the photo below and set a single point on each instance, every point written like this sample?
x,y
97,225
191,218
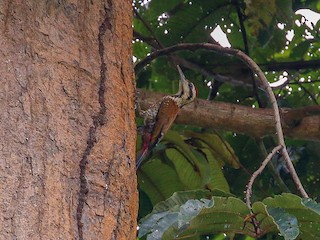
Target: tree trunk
x,y
67,138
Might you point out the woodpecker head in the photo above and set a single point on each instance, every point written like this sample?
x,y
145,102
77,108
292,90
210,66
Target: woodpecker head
x,y
187,91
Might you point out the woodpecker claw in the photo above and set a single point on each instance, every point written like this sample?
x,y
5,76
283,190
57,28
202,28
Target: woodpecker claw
x,y
137,106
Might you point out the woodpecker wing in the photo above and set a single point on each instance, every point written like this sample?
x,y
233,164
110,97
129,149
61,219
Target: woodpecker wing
x,y
166,115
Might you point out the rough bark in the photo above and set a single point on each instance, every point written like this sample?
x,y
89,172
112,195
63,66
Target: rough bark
x,y
67,139
302,123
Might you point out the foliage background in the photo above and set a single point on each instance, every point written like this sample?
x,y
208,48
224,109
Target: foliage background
x,y
194,159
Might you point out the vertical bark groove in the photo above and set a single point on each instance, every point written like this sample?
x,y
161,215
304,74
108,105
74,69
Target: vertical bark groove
x,y
67,126
98,121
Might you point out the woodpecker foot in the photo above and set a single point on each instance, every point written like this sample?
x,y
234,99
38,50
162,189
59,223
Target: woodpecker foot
x,y
140,129
137,106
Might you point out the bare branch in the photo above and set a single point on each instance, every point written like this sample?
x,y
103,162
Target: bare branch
x,y
275,174
297,65
255,68
281,66
307,92
257,172
242,27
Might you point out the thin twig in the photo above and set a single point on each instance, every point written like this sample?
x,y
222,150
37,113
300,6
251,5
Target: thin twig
x,y
242,27
307,92
246,50
147,27
202,18
293,65
257,172
311,82
272,169
278,66
255,68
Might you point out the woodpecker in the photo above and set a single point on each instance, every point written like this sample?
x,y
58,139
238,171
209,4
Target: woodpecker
x,y
161,115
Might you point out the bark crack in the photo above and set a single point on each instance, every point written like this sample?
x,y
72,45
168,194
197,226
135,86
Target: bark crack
x,y
118,225
98,121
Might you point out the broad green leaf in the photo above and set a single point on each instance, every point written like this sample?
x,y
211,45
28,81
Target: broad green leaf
x,y
204,170
194,217
286,223
265,220
285,213
220,148
180,168
185,171
285,13
311,204
300,50
199,164
227,215
157,7
260,14
157,224
172,205
193,21
308,218
161,185
140,49
218,181
179,198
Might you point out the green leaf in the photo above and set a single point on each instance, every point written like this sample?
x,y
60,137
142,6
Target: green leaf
x,y
260,14
218,181
157,224
185,171
300,50
286,214
264,219
179,198
227,215
286,223
311,204
192,21
308,216
157,7
220,148
285,13
192,214
140,50
195,169
181,168
177,211
161,185
198,162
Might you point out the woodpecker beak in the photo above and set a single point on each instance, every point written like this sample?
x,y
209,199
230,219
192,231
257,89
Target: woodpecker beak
x,y
187,91
182,77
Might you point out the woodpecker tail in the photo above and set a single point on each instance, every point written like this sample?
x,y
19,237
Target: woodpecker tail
x,y
141,156
143,153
